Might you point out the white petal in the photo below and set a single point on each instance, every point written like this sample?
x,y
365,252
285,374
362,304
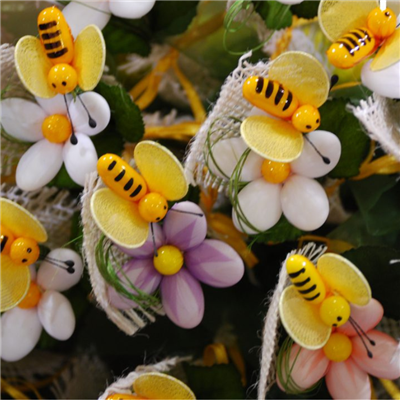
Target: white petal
x,y
86,12
290,1
260,203
98,109
55,105
258,111
20,332
310,163
132,9
55,274
227,154
385,82
56,315
32,270
22,119
304,203
80,159
39,165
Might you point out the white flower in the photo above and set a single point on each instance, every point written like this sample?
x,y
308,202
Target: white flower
x,y
301,199
27,121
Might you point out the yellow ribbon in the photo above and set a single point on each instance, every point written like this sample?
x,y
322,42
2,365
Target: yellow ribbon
x,y
391,388
15,392
334,245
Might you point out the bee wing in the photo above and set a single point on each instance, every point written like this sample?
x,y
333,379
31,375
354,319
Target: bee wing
x,y
388,54
337,17
154,385
274,139
161,170
15,281
118,219
21,222
33,66
90,57
302,74
302,321
345,278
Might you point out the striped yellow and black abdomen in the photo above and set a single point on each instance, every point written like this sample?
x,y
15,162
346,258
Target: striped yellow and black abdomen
x,y
352,48
270,96
306,279
55,35
6,239
121,178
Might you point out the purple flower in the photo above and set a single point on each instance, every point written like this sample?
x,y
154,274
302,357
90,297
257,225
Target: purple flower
x,y
185,257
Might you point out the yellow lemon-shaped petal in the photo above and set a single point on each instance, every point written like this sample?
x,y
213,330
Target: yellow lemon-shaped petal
x,y
90,57
15,281
302,321
155,385
274,139
302,74
118,219
345,278
388,54
33,67
21,222
161,170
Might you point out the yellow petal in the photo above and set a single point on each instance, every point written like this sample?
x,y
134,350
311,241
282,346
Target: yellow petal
x,y
337,17
388,54
90,57
302,74
274,139
154,385
21,222
302,321
345,278
33,67
15,281
161,170
118,219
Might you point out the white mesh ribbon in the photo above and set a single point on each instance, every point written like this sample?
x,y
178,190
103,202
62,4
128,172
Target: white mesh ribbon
x,y
129,321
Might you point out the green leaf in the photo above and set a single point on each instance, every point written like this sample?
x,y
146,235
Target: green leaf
x,y
283,231
125,114
170,18
216,382
383,276
306,9
63,181
355,143
108,141
276,15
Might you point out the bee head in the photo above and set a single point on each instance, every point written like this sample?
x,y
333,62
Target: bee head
x,y
335,311
63,78
382,23
24,251
306,118
153,207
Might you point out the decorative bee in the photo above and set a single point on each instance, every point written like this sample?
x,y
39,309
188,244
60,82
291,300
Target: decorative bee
x,y
124,210
296,86
55,63
357,29
20,234
319,298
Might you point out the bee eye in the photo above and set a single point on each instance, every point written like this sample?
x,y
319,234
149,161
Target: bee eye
x,y
317,121
335,325
308,126
29,250
387,13
64,83
339,318
54,85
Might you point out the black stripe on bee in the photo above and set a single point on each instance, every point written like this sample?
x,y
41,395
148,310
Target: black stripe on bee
x,y
348,47
270,89
351,40
309,290
302,283
365,33
47,36
296,274
120,176
48,25
279,95
359,37
128,184
260,84
136,191
51,46
4,242
288,101
57,54
112,165
312,298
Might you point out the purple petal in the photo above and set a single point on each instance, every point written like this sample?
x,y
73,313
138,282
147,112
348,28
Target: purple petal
x,y
185,231
142,274
183,299
215,263
147,250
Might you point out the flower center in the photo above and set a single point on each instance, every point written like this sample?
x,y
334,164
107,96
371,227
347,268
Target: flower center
x,y
338,348
275,172
153,207
56,128
32,298
169,260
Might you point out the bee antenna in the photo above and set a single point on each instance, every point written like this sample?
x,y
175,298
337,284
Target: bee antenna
x,y
334,81
73,138
326,160
154,239
360,334
60,264
92,122
187,212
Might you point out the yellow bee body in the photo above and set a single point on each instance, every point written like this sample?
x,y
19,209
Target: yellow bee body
x,y
120,177
55,35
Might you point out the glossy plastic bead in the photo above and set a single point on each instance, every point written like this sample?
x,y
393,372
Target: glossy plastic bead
x,y
335,311
63,78
275,172
123,396
306,118
153,207
24,251
382,23
56,128
169,260
32,298
338,348
6,238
